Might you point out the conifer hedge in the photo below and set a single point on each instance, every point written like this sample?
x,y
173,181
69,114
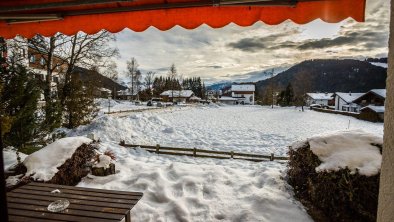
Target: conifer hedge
x,y
332,196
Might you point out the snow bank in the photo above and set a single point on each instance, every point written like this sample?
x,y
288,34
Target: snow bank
x,y
180,188
9,156
43,163
352,149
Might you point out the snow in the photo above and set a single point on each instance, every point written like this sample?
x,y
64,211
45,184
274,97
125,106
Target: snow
x,y
252,129
227,98
377,109
380,92
177,93
44,162
243,88
9,156
118,105
380,64
104,161
178,188
321,96
352,149
349,97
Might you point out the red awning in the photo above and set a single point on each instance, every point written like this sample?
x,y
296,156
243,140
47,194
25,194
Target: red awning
x,y
46,17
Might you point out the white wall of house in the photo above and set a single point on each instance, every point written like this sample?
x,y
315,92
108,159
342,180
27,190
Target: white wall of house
x,y
311,101
249,98
342,105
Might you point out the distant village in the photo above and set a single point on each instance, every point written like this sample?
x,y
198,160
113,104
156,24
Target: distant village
x,y
367,105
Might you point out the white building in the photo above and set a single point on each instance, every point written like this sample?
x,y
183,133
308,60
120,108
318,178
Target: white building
x,y
345,102
228,100
244,93
319,98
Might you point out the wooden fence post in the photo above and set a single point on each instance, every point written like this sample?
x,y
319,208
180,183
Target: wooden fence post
x,y
157,148
272,157
122,143
194,152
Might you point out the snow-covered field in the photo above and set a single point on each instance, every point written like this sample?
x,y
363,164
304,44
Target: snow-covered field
x,y
240,128
118,105
178,188
185,189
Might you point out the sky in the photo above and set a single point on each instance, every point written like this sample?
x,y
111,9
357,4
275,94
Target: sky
x,y
225,53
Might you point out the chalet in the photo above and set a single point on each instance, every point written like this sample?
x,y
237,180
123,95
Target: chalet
x,y
244,93
372,113
324,99
126,94
345,101
228,100
181,96
374,97
102,92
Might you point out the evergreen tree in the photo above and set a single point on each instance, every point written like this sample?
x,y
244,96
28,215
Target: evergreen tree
x,y
80,107
20,95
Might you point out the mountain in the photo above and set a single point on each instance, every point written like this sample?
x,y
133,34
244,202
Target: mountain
x,y
97,79
328,75
248,77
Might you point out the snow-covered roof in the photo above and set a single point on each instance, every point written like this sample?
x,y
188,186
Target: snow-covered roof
x,y
349,97
104,90
195,98
321,96
127,92
243,88
177,93
380,92
227,98
377,109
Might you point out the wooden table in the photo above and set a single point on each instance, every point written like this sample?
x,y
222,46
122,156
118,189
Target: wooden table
x,y
30,203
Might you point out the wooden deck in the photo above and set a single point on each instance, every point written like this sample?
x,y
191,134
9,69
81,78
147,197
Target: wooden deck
x,y
30,203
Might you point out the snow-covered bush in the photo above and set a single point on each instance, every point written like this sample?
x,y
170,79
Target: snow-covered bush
x,y
336,176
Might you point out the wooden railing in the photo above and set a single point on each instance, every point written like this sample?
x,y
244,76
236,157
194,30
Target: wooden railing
x,y
194,152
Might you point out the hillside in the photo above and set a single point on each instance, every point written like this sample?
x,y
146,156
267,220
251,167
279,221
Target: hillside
x,y
328,75
97,79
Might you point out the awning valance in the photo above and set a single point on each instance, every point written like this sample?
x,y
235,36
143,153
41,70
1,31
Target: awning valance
x,y
47,17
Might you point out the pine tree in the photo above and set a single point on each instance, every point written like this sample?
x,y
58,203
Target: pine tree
x,y
80,107
20,94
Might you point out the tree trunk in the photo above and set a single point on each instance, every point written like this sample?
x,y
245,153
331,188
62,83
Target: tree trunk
x,y
386,191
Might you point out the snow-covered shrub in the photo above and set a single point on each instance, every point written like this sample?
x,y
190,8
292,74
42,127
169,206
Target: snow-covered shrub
x,y
336,176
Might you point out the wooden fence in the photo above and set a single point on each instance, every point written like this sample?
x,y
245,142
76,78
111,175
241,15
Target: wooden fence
x,y
131,110
194,152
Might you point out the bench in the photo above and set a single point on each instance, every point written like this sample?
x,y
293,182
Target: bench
x,y
30,203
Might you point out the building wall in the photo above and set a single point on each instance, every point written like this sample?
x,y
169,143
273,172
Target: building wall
x,y
386,191
249,97
311,101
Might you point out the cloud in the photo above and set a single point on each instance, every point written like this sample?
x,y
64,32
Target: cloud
x,y
233,51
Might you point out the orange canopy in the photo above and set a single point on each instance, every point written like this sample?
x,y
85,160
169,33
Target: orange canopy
x,y
46,17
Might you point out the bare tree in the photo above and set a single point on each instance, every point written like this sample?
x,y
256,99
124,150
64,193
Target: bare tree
x,y
173,74
132,68
111,71
149,78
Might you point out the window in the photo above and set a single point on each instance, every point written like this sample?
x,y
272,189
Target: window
x,y
32,59
42,61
